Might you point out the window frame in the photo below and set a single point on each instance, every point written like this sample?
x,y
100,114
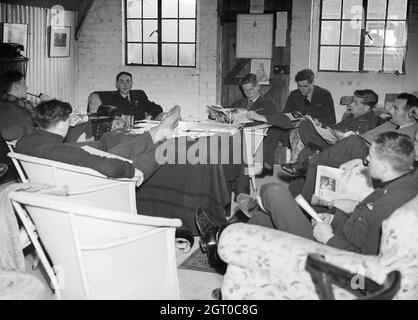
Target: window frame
x,y
159,42
362,45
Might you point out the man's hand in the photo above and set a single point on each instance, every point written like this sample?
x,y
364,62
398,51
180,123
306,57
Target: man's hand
x,y
349,165
339,134
322,232
252,115
326,217
44,97
213,114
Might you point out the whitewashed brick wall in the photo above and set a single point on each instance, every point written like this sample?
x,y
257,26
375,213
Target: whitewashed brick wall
x,y
101,55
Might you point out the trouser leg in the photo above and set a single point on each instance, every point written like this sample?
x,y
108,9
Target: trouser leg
x,y
284,213
308,135
270,141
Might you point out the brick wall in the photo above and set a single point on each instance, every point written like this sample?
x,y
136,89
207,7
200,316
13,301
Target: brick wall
x,y
304,53
101,58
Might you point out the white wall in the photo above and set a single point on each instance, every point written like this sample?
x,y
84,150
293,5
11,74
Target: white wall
x,y
101,52
54,76
304,54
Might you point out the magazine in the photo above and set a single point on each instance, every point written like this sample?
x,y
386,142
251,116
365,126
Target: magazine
x,y
333,183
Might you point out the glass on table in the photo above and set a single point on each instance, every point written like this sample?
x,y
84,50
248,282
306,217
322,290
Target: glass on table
x,y
128,122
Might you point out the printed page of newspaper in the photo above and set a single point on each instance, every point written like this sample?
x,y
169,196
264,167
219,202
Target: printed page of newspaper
x,y
326,133
240,117
333,183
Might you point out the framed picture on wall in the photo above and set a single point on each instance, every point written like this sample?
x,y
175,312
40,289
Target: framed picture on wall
x,y
261,68
15,33
59,42
255,36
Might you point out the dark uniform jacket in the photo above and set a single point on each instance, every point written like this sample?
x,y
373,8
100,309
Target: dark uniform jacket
x,y
361,124
137,106
266,108
360,231
321,106
15,118
43,144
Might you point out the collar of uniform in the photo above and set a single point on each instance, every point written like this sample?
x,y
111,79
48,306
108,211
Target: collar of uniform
x,y
309,96
124,95
385,184
14,99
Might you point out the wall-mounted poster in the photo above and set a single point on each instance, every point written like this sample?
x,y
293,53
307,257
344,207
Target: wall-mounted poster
x,y
59,42
261,68
15,33
254,36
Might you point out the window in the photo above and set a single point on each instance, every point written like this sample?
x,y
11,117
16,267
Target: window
x,y
363,35
160,32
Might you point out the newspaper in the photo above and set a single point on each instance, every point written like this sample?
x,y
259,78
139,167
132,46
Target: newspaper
x,y
230,115
329,134
333,183
294,116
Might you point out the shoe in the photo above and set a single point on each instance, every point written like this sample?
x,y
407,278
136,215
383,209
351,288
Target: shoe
x,y
3,169
209,236
247,204
264,173
293,169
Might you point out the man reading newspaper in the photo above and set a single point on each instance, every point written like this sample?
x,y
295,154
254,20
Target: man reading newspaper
x,y
390,160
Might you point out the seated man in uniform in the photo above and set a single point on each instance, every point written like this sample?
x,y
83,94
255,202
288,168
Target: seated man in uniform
x,y
16,113
357,146
361,119
262,110
131,103
310,99
390,161
53,118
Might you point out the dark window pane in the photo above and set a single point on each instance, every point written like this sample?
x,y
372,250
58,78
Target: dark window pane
x,y
134,30
350,34
169,9
376,9
134,53
169,31
350,58
169,54
397,9
150,54
187,31
187,8
373,59
353,9
187,55
133,9
376,31
394,58
330,32
331,9
150,31
395,34
329,58
150,8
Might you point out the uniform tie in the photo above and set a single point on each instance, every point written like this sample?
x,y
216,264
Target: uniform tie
x,y
306,100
